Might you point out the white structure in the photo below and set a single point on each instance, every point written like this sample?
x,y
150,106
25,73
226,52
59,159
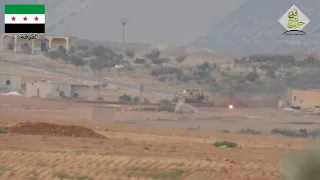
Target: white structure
x,y
10,82
44,89
102,114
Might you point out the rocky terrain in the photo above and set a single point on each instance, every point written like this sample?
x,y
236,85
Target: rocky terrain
x,y
151,22
254,28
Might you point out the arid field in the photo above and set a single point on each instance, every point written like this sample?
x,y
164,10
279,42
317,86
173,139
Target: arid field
x,y
68,140
141,150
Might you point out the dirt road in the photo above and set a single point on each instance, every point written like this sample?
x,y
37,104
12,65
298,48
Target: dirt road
x,y
84,78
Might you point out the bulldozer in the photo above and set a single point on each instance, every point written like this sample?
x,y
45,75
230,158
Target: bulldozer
x,y
191,96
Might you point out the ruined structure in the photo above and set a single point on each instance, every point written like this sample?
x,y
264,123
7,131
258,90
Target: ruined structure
x,y
42,43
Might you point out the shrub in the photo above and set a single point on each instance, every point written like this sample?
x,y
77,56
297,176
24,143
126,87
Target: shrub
x,y
130,53
205,66
252,76
125,98
166,107
203,77
180,59
102,85
3,131
72,50
127,68
146,101
53,55
184,78
76,61
165,70
249,131
302,133
160,61
128,98
315,133
164,101
162,79
228,144
290,133
225,131
62,49
140,61
135,99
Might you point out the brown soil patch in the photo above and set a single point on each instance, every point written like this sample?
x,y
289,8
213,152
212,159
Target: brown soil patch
x,y
38,128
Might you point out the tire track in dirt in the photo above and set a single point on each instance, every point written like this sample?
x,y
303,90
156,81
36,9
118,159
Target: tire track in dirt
x,y
46,165
24,163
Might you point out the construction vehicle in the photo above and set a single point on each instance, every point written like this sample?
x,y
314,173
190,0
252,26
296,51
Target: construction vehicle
x,y
190,96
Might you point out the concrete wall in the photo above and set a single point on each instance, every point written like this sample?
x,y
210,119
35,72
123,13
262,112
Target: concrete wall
x,y
10,82
304,98
81,91
43,90
47,90
101,114
63,88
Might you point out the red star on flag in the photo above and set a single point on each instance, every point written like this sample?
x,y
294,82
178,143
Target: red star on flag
x,y
25,18
13,18
36,18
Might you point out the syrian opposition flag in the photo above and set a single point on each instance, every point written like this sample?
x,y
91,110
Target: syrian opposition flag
x,y
24,18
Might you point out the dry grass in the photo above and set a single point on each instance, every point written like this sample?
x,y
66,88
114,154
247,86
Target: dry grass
x,y
139,155
141,151
50,165
142,155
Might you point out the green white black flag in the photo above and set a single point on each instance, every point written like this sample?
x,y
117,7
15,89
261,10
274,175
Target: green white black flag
x,y
24,18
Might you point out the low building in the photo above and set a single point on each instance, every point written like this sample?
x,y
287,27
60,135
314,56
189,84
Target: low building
x,y
10,82
45,89
79,91
41,43
303,98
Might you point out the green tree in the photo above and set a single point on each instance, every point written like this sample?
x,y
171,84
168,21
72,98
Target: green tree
x,y
83,47
105,58
205,66
72,50
130,54
62,49
252,76
160,61
96,64
180,59
99,51
77,61
153,55
140,61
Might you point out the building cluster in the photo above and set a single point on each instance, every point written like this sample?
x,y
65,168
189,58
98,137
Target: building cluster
x,y
299,98
43,88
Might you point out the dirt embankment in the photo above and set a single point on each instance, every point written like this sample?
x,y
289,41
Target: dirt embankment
x,y
39,128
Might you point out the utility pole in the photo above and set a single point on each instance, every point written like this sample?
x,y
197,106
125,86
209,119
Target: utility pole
x,y
99,83
140,100
123,22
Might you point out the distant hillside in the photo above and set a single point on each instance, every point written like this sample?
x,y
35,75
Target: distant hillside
x,y
254,28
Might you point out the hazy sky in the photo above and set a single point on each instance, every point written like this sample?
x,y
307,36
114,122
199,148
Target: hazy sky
x,y
151,21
